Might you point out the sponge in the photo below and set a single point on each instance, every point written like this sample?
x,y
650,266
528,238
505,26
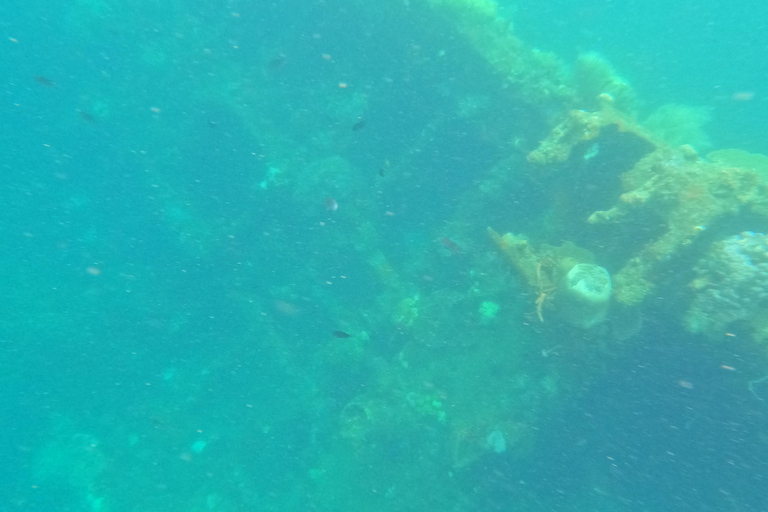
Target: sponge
x,y
584,295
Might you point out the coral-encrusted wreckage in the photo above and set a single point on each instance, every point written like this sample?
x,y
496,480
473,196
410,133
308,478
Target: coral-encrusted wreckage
x,y
611,219
677,192
362,340
683,197
671,204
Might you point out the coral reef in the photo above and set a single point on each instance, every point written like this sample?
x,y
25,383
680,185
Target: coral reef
x,y
731,284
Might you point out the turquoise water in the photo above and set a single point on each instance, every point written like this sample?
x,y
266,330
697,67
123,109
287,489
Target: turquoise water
x,y
246,267
685,52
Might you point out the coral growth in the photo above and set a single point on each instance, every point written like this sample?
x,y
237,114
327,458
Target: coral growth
x,y
676,188
535,75
594,76
680,124
731,284
743,159
543,267
520,254
671,187
580,126
577,127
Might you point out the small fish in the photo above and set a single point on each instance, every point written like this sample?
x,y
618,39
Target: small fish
x,y
330,204
358,125
85,116
448,244
384,168
44,81
341,334
156,422
277,62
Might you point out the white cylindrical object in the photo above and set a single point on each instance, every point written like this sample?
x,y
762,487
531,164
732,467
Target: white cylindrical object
x,y
584,295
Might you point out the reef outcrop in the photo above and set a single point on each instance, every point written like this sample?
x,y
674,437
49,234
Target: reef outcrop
x,y
730,285
684,193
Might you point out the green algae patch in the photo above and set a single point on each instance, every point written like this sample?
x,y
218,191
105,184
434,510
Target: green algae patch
x,y
740,158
